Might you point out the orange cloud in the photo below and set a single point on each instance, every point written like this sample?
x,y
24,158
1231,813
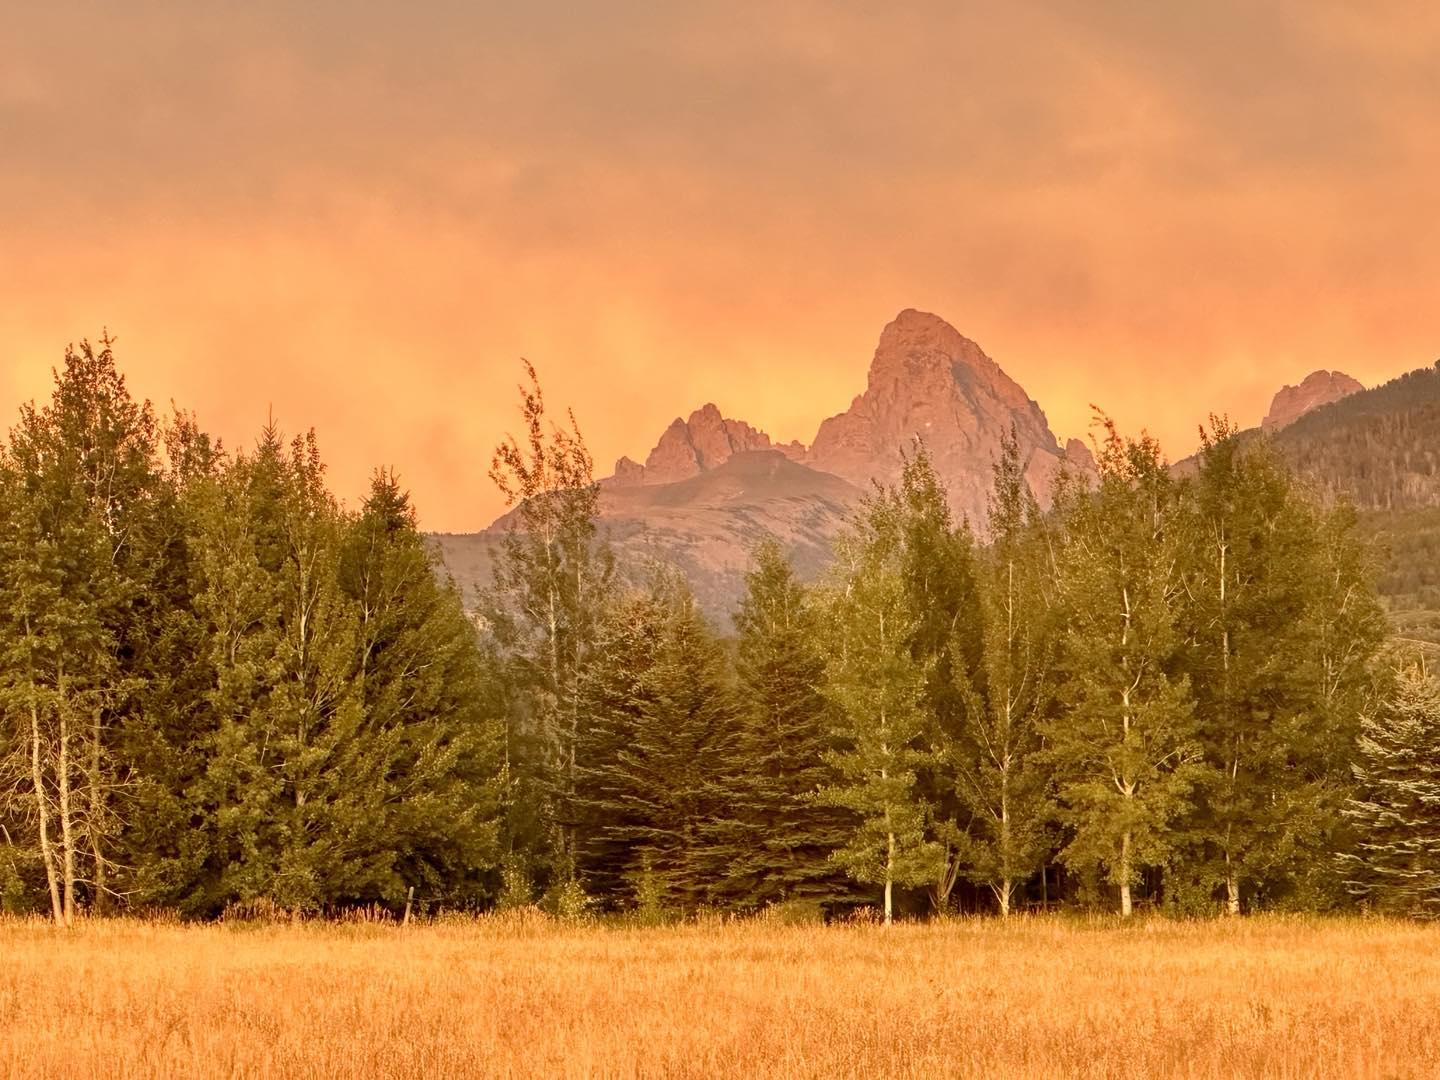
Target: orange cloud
x,y
363,215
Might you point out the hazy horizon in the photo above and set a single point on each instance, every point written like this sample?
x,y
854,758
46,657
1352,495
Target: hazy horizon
x,y
363,216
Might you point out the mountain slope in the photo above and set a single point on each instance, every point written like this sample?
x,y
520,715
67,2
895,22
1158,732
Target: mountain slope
x,y
1380,450
707,525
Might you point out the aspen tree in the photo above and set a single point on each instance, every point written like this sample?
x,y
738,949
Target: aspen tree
x,y
1125,744
877,688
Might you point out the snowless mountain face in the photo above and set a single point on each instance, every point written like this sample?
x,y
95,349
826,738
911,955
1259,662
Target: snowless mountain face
x,y
1318,388
690,447
713,487
927,381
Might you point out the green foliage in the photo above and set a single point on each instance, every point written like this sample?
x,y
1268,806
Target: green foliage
x,y
223,692
355,742
651,907
1125,745
877,687
219,687
1396,808
942,594
663,797
995,754
544,610
780,838
1276,679
516,890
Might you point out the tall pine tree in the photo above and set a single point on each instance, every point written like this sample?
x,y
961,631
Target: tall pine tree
x,y
666,798
1396,808
781,838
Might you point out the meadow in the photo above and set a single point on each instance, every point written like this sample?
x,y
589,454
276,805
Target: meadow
x,y
524,997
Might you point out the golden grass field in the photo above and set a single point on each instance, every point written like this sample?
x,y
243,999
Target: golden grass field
x,y
521,997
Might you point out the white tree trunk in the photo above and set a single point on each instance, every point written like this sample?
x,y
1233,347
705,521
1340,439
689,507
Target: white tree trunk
x,y
1232,893
97,810
889,878
1126,904
67,827
42,809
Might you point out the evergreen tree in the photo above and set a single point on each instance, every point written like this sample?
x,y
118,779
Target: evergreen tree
x,y
418,783
877,688
666,796
938,568
999,775
164,737
618,692
1396,809
782,839
354,749
81,477
1125,745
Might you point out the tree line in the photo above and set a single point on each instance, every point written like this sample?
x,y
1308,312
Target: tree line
x,y
221,688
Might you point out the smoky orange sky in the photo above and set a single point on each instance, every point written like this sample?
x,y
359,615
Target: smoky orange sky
x,y
364,214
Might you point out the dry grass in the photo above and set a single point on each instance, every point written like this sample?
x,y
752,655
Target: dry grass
x,y
1047,997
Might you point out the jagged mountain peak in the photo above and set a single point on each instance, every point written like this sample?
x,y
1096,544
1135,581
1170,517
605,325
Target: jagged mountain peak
x,y
928,381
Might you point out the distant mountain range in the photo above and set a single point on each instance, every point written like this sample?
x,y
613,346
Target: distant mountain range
x,y
926,381
712,487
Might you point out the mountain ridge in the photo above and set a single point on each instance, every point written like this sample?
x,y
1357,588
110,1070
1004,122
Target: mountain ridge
x,y
713,486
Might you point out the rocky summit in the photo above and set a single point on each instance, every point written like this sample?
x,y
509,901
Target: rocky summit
x,y
927,381
1318,388
691,447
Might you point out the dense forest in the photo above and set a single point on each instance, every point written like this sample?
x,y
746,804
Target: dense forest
x,y
223,690
1380,451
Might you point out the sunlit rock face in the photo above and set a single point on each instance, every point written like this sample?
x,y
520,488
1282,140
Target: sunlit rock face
x,y
1318,388
690,447
929,381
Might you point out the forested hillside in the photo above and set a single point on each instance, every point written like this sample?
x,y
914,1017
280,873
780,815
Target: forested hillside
x,y
222,690
1380,450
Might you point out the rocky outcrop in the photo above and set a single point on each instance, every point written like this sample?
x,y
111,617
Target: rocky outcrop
x,y
927,381
1078,455
1318,388
690,447
628,473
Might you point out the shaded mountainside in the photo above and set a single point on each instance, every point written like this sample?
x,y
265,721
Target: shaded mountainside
x,y
706,525
1380,450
